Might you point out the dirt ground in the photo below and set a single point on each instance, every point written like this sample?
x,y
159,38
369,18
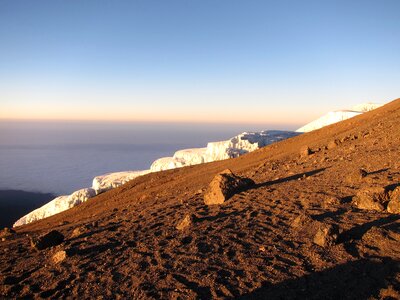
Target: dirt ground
x,y
264,242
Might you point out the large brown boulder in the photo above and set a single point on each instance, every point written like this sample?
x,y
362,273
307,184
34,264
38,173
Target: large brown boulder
x,y
371,198
225,185
394,203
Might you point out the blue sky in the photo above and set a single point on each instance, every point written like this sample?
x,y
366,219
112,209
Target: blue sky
x,y
203,61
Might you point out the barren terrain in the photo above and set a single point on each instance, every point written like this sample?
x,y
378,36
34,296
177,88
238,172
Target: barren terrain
x,y
294,234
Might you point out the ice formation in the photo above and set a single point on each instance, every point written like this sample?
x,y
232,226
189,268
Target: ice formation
x,y
110,181
234,147
337,116
57,205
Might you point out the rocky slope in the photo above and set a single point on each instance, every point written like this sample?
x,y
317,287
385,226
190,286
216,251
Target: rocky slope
x,y
234,147
298,231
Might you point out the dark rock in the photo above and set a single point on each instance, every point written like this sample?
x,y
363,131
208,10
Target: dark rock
x,y
6,233
326,235
372,198
362,173
225,185
51,239
305,151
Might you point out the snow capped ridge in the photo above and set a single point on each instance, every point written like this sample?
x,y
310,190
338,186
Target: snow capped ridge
x,y
234,147
337,116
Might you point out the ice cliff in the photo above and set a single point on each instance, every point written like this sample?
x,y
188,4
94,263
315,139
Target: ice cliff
x,y
234,147
57,205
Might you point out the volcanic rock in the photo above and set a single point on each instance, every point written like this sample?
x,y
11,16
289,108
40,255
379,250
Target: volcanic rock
x,y
326,235
301,220
51,239
394,203
185,223
225,185
332,144
6,232
305,151
59,256
371,198
79,231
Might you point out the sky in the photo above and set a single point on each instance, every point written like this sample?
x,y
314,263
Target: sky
x,y
280,62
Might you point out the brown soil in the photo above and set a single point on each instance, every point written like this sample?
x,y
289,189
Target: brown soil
x,y
294,234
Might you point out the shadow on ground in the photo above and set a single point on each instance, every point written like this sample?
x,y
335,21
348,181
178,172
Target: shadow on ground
x,y
361,279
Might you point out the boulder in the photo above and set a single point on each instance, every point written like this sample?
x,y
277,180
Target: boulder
x,y
225,185
50,239
371,198
394,203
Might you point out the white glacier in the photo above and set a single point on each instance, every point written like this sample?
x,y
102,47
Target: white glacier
x,y
110,181
337,116
57,205
234,147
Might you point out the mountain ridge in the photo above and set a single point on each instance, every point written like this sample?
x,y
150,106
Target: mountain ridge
x,y
262,242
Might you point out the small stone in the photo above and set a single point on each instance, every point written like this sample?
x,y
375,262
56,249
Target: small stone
x,y
332,144
301,220
362,173
50,239
305,151
331,201
326,235
6,232
59,256
185,223
78,231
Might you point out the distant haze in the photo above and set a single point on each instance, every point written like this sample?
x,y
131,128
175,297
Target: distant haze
x,y
258,62
61,157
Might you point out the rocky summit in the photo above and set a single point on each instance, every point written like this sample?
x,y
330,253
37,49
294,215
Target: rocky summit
x,y
315,216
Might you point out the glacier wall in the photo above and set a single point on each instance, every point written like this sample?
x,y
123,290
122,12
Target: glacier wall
x,y
234,147
337,116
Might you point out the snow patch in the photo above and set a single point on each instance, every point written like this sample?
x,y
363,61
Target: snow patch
x,y
337,116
